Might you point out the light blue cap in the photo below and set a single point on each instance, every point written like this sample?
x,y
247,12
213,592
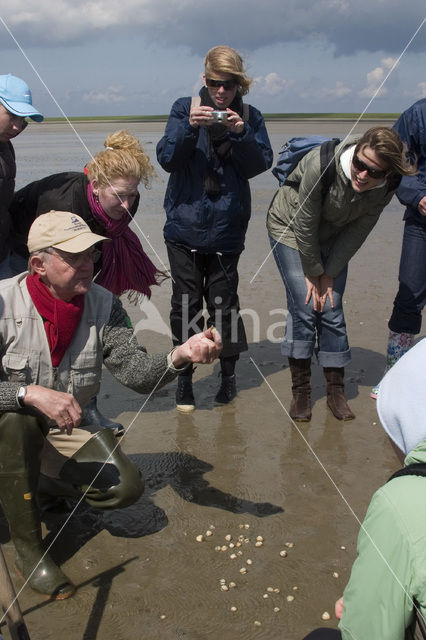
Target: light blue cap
x,y
15,96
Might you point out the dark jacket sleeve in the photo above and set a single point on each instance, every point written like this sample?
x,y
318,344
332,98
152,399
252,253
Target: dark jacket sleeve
x,y
65,191
179,140
251,150
411,128
38,197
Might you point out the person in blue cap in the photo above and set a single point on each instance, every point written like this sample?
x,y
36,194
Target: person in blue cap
x,y
15,106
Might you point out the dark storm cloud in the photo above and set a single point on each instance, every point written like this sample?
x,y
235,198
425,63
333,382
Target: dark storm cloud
x,y
347,27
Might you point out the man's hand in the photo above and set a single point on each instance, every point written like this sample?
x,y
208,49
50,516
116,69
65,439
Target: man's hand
x,y
61,407
202,347
422,206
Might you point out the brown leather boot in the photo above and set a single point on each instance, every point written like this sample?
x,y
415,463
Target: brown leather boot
x,y
336,393
300,408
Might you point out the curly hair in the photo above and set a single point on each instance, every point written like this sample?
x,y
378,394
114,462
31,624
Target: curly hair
x,y
123,157
223,59
389,148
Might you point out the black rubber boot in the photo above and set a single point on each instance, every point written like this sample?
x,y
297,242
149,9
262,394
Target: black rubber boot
x,y
101,470
227,390
22,441
185,401
93,420
300,408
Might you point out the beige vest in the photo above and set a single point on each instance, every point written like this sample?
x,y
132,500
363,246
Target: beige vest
x,y
26,355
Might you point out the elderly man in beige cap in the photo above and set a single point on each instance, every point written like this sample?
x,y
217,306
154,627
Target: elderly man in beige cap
x,y
57,329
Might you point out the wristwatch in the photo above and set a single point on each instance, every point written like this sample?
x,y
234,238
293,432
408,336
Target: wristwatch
x,y
22,392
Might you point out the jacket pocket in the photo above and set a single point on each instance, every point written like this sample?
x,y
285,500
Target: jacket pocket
x,y
17,368
85,369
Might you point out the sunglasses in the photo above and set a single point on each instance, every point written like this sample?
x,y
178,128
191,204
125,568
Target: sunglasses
x,y
226,84
377,174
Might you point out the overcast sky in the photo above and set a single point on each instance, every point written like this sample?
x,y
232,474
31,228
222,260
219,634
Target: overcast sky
x,y
106,57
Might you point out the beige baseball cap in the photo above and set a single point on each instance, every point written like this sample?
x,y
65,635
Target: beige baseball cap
x,y
61,230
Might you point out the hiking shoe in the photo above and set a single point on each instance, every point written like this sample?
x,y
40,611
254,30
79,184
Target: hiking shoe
x,y
184,395
227,390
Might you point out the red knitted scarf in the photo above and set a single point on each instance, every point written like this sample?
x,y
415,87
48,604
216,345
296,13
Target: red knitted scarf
x,y
60,318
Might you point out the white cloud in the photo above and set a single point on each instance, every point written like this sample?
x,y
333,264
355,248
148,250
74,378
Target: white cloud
x,y
340,90
421,90
271,84
107,96
375,79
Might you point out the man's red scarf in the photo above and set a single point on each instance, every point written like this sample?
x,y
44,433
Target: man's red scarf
x,y
60,318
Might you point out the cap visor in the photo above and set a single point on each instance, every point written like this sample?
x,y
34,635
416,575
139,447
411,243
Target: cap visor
x,y
23,110
80,243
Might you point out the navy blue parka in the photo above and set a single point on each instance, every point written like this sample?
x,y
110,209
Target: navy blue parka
x,y
194,219
411,128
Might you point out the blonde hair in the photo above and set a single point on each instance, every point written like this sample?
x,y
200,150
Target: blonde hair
x,y
223,59
389,148
123,157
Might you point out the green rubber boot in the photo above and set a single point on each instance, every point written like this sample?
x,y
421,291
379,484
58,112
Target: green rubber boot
x,y
108,478
21,443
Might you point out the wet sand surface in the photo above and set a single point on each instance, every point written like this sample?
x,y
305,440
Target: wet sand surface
x,y
243,470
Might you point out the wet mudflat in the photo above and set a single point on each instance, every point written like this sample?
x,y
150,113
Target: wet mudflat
x,y
237,472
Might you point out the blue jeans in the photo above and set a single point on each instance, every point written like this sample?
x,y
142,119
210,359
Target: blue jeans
x,y
411,297
306,327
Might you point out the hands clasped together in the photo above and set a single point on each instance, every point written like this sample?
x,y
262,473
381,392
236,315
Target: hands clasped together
x,y
319,288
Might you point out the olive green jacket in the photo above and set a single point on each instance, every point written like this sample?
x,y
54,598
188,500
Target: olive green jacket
x,y
300,217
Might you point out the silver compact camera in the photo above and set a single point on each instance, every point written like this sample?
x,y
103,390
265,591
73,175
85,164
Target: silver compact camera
x,y
219,116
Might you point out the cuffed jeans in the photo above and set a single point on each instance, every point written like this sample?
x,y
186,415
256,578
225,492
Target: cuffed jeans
x,y
308,330
411,297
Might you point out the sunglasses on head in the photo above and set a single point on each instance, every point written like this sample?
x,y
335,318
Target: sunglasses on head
x,y
377,174
226,84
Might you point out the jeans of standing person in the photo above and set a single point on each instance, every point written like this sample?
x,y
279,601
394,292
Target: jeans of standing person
x,y
213,277
304,326
411,297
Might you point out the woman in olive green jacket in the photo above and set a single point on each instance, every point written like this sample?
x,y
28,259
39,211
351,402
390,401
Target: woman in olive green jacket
x,y
313,236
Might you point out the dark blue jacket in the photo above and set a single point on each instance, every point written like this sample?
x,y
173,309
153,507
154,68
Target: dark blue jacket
x,y
411,127
193,218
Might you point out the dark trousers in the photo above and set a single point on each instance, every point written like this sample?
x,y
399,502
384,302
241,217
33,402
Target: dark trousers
x,y
324,634
411,297
212,277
